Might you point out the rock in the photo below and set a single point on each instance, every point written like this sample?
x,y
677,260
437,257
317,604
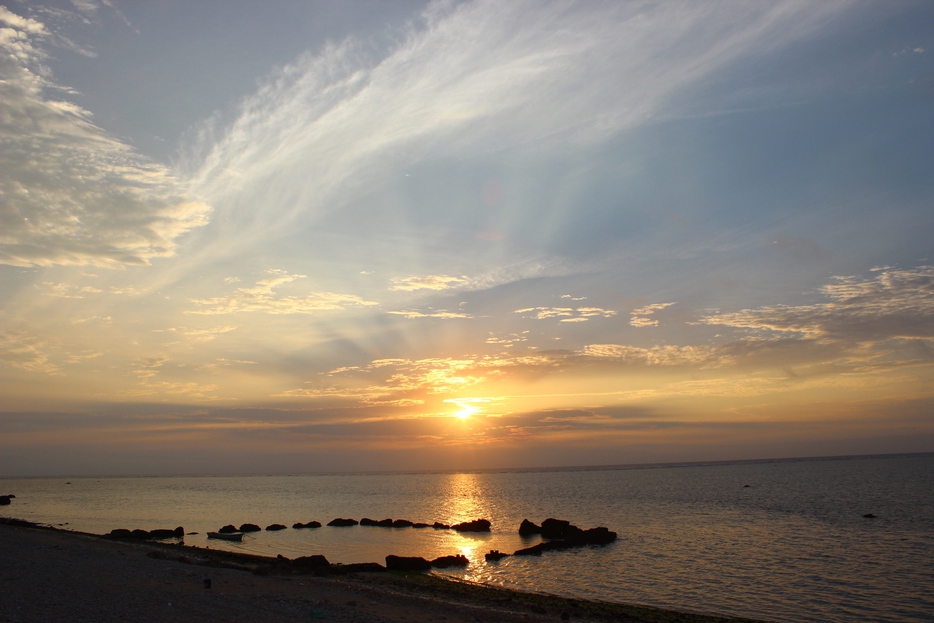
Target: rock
x,y
535,550
407,563
869,516
229,528
450,561
140,534
162,534
4,500
310,564
340,522
250,527
357,567
366,521
121,533
419,524
745,486
557,529
275,527
402,523
440,526
494,555
310,524
11,496
179,533
385,523
527,528
477,525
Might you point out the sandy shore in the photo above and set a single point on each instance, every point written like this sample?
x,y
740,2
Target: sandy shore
x,y
53,575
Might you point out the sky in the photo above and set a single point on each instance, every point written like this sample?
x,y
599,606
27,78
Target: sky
x,y
290,237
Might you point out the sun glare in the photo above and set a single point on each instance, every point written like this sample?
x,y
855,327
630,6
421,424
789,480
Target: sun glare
x,y
466,409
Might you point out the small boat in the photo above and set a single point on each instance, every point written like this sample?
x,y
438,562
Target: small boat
x,y
226,536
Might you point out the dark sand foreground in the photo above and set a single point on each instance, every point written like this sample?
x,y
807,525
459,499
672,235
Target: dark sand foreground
x,y
52,575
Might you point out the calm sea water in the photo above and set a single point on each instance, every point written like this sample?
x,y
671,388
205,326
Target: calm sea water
x,y
792,546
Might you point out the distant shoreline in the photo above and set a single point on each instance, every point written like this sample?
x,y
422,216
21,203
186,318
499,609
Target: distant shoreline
x,y
499,470
89,574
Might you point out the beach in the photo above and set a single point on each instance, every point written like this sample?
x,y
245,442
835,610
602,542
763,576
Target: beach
x,y
56,575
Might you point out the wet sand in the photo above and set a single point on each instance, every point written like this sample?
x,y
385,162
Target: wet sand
x,y
54,575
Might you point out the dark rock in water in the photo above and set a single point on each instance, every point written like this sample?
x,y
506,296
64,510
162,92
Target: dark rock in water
x,y
557,529
527,528
440,526
357,567
869,516
228,529
477,525
535,550
595,536
407,563
402,523
4,500
121,533
385,523
450,561
419,524
162,534
11,496
494,555
341,522
366,521
745,486
274,527
140,534
310,524
179,532
250,527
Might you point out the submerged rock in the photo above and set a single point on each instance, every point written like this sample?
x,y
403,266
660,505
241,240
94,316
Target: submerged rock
x,y
477,525
341,522
450,561
407,563
250,527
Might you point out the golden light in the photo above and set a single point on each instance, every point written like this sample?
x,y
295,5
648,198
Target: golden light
x,y
466,409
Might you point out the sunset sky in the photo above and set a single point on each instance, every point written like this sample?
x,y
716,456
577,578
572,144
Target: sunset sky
x,y
243,237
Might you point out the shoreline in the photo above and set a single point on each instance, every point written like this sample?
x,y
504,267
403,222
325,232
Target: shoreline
x,y
55,574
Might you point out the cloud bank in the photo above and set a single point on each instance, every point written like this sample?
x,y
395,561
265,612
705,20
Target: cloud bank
x,y
69,192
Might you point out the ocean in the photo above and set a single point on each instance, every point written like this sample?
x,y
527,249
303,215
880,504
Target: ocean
x,y
793,545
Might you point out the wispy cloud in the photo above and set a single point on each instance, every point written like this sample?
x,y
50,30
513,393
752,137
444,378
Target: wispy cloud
x,y
72,194
639,317
896,303
27,352
262,297
567,314
428,282
444,315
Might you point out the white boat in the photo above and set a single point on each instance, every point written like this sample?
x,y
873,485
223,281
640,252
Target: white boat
x,y
226,536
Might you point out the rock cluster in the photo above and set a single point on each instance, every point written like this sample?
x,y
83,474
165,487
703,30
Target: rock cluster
x,y
146,535
561,534
314,565
417,563
310,524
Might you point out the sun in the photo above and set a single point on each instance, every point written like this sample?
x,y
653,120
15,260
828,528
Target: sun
x,y
466,412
